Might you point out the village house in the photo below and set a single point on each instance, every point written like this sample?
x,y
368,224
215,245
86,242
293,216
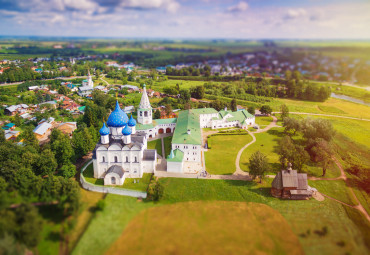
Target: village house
x,y
42,130
9,126
67,127
289,184
14,109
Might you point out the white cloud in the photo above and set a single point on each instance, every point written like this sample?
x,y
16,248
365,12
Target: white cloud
x,y
169,5
240,7
295,13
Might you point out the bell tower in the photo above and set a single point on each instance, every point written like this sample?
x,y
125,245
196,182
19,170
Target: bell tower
x,y
144,113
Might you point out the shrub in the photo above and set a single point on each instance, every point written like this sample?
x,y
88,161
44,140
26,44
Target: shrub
x,y
100,205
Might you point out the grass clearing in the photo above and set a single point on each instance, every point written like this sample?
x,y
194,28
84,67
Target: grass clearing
x,y
220,159
263,120
267,143
157,145
335,189
330,109
108,225
167,145
203,226
140,185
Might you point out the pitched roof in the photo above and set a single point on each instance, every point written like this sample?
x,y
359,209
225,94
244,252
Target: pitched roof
x,y
175,156
144,102
204,110
289,178
116,169
187,120
42,128
166,121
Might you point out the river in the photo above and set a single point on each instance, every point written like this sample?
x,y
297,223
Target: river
x,y
351,99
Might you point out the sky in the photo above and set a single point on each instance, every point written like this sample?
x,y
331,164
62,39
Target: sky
x,y
195,19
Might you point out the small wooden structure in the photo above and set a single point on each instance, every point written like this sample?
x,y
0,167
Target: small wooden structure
x,y
289,184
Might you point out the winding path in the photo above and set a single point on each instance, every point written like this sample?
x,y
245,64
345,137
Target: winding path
x,y
238,170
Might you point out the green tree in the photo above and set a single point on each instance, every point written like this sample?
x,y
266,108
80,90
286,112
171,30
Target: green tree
x,y
63,90
252,110
266,109
258,165
61,145
29,225
233,105
157,114
284,111
68,170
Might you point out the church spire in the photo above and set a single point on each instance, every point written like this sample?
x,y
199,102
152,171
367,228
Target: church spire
x,y
144,102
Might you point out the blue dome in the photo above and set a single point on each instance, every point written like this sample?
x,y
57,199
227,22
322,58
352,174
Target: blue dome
x,y
126,130
131,122
117,118
104,130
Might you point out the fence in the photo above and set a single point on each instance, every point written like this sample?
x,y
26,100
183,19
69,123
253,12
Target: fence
x,y
103,189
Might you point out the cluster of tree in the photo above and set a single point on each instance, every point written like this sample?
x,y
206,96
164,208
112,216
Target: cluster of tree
x,y
316,144
16,74
31,173
189,71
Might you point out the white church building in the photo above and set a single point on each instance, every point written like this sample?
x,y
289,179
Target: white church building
x,y
87,86
122,151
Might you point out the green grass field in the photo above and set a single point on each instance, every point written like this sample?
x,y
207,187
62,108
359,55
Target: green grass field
x,y
306,218
201,228
335,189
167,145
220,159
156,144
263,121
267,143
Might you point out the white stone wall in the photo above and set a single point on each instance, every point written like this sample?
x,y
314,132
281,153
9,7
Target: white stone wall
x,y
206,119
175,167
191,152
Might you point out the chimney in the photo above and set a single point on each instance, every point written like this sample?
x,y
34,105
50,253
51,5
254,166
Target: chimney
x,y
188,132
289,168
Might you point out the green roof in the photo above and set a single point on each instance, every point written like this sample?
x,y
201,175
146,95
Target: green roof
x,y
144,126
187,120
165,121
236,116
175,156
204,111
82,108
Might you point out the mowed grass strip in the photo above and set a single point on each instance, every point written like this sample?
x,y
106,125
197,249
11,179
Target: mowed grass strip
x,y
208,228
157,145
220,159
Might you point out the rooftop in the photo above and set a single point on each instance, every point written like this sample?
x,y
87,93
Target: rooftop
x,y
175,156
187,128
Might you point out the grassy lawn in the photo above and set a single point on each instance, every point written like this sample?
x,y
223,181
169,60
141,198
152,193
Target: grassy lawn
x,y
89,176
52,226
267,143
156,144
334,189
202,228
108,225
159,86
356,130
263,120
306,218
331,106
167,145
141,186
220,159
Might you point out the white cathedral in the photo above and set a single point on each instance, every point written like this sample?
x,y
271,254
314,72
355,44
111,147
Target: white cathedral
x,y
122,151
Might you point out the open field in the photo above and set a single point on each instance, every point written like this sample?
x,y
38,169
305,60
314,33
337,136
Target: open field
x,y
220,159
263,121
108,225
267,143
241,228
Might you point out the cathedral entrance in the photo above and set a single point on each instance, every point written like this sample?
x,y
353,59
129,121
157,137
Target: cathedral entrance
x,y
160,131
168,130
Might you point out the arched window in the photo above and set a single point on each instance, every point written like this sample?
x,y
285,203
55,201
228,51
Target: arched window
x,y
115,159
113,180
126,159
145,114
103,159
141,113
135,159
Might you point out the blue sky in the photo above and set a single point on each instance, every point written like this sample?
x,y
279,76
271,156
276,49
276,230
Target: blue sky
x,y
246,19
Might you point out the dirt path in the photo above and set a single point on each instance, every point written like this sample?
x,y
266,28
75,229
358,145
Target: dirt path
x,y
341,177
239,171
101,78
